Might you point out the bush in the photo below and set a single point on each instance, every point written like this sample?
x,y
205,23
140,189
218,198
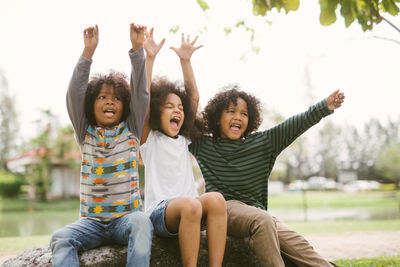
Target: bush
x,y
10,184
387,187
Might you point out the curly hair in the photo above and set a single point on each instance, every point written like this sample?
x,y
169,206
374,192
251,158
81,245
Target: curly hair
x,y
160,89
213,111
115,79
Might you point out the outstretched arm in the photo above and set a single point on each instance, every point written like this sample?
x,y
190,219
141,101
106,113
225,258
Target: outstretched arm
x,y
185,53
286,132
139,93
79,81
152,48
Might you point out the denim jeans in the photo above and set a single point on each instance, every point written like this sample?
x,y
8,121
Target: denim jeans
x,y
134,229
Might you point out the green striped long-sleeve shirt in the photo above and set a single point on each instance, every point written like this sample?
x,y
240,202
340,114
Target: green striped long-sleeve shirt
x,y
240,169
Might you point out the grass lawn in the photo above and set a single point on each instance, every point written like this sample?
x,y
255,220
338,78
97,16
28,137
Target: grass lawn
x,y
22,205
372,262
339,227
21,243
333,199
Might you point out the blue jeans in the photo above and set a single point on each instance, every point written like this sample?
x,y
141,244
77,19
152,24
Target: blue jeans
x,y
134,229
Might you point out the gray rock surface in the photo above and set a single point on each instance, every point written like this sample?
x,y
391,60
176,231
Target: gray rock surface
x,y
165,252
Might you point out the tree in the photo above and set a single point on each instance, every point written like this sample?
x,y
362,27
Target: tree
x,y
39,173
328,150
366,12
8,122
388,163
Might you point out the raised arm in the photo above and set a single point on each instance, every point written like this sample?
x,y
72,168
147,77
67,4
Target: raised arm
x,y
152,48
79,82
185,53
139,94
286,132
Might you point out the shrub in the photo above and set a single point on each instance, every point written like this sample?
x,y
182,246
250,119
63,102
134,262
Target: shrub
x,y
10,184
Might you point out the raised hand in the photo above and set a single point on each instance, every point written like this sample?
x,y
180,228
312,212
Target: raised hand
x,y
335,100
187,48
90,39
137,35
151,47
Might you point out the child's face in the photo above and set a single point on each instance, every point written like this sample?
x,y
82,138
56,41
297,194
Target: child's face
x,y
172,115
107,107
234,120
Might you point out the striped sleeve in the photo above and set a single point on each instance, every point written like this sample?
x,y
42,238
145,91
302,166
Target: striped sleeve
x,y
286,132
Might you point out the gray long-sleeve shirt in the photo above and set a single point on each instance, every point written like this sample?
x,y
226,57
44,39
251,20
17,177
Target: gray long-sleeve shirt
x,y
109,174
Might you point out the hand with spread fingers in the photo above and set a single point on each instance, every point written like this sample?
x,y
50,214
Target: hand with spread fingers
x,y
150,46
187,48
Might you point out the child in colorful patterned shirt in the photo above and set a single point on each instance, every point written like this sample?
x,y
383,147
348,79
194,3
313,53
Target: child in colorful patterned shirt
x,y
108,115
237,162
171,196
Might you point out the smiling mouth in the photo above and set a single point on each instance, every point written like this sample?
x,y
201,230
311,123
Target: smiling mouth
x,y
235,127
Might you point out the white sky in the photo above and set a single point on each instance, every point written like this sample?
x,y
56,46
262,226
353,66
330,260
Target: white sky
x,y
41,42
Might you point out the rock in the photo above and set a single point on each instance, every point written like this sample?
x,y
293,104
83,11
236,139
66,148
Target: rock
x,y
165,252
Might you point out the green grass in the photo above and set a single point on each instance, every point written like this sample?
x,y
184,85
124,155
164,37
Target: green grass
x,y
21,205
19,244
315,199
339,227
384,261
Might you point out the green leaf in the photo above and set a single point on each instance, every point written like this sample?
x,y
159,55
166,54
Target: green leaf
x,y
328,8
203,5
390,6
260,7
239,23
348,12
227,31
289,5
174,29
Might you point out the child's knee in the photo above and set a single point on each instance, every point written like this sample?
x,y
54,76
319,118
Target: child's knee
x,y
216,201
62,238
140,220
192,209
264,220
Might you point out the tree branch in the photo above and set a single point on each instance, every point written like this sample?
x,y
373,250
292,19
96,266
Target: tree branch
x,y
391,24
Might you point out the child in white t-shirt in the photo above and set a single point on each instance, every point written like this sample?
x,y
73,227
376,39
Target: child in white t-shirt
x,y
171,196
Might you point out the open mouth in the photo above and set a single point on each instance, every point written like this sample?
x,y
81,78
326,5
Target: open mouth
x,y
174,122
109,113
235,127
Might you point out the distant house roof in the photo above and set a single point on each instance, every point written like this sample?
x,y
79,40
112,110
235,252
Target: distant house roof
x,y
20,162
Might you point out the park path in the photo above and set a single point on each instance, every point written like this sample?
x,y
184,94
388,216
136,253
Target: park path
x,y
350,245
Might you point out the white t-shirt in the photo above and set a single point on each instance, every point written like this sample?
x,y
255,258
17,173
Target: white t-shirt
x,y
168,169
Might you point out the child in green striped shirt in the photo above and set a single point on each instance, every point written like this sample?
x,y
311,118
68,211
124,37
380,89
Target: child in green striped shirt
x,y
237,162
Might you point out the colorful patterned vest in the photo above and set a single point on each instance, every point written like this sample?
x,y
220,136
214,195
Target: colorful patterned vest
x,y
109,173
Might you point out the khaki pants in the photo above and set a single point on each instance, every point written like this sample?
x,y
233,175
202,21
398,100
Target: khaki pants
x,y
269,237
